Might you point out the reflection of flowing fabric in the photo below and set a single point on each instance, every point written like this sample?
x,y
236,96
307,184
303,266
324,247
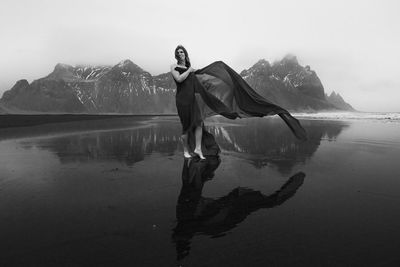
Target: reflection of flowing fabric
x,y
215,217
220,90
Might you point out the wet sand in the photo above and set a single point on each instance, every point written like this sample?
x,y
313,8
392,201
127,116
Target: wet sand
x,y
117,191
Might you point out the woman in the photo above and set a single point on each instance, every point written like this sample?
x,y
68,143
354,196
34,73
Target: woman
x,y
217,89
185,102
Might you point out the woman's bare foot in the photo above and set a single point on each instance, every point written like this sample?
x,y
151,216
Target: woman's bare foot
x,y
199,153
187,155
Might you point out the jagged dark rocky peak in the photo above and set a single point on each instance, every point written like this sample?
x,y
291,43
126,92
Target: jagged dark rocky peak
x,y
308,83
124,71
165,81
287,65
303,79
262,64
82,72
262,67
337,100
21,84
290,59
43,95
20,87
63,67
335,95
62,71
86,72
288,84
128,66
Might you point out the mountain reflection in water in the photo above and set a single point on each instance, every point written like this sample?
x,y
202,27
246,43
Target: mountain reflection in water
x,y
214,217
260,141
267,141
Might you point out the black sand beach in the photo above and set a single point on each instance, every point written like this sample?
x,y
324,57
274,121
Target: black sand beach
x,y
117,192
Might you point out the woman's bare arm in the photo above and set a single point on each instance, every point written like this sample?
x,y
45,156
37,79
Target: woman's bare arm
x,y
180,77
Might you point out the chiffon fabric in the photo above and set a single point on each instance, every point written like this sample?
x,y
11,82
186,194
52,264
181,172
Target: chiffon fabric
x,y
218,89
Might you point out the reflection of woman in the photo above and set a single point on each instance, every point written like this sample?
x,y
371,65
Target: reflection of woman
x,y
214,217
217,89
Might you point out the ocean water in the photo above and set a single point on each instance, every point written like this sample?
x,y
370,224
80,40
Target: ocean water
x,y
369,116
118,192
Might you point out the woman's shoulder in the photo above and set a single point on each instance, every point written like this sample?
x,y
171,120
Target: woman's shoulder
x,y
174,66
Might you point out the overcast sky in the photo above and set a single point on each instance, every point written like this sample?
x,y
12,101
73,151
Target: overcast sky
x,y
352,45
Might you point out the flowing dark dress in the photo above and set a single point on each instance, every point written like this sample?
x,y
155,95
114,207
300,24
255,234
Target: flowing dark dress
x,y
186,104
218,89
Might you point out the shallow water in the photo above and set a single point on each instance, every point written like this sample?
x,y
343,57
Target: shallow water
x,y
118,192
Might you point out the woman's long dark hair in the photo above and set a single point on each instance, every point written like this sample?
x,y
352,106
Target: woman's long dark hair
x,y
187,60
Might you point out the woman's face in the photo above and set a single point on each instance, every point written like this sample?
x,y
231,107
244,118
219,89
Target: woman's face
x,y
181,54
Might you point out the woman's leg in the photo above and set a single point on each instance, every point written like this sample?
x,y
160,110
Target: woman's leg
x,y
186,153
199,136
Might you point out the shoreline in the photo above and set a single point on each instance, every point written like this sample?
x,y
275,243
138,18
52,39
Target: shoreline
x,y
24,120
27,120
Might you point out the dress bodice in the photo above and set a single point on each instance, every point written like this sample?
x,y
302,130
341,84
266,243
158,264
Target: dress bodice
x,y
180,69
184,89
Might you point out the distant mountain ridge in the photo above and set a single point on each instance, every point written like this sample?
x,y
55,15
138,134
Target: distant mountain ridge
x,y
291,86
127,88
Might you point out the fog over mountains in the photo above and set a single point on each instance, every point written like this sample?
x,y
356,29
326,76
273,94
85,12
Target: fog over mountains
x,y
127,88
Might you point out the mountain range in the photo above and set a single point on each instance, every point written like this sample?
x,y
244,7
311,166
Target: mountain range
x,y
127,88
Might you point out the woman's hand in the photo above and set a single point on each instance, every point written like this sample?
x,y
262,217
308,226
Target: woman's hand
x,y
191,69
